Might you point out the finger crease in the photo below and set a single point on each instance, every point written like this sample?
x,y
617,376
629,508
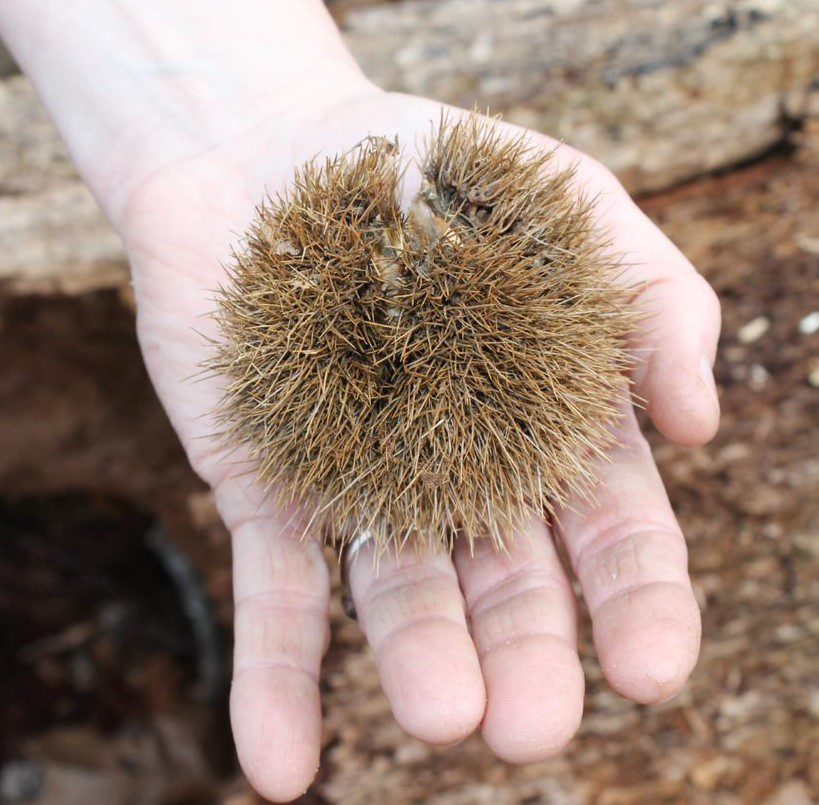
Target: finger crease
x,y
400,630
276,665
309,603
532,575
389,585
605,539
533,636
629,590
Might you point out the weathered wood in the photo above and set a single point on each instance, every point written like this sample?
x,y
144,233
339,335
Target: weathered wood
x,y
58,241
54,236
659,91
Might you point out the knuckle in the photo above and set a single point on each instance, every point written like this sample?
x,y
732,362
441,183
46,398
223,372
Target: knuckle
x,y
391,611
621,561
708,299
290,567
633,445
268,633
521,614
518,605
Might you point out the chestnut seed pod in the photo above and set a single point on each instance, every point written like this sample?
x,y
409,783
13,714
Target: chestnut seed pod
x,y
450,369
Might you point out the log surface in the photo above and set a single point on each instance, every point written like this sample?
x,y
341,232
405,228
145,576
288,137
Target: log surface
x,y
54,237
660,92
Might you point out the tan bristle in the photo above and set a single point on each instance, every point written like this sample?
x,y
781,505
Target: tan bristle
x,y
448,370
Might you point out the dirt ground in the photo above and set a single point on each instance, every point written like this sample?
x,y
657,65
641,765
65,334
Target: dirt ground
x,y
115,587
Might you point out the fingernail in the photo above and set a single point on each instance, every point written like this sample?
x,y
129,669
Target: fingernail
x,y
707,377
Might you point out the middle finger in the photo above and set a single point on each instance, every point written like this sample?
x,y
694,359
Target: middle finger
x,y
523,618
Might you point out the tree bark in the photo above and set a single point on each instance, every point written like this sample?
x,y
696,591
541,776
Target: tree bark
x,y
661,92
54,237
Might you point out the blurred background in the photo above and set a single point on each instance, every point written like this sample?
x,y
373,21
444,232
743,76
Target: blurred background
x,y
114,569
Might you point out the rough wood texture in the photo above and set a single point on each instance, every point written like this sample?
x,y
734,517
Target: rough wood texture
x,y
659,91
55,239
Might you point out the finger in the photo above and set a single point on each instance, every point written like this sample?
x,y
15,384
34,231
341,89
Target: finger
x,y
412,613
676,343
523,619
281,589
630,557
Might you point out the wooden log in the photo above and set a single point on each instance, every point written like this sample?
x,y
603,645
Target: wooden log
x,y
54,237
661,92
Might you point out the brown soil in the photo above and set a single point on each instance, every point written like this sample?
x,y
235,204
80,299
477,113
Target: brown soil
x,y
110,694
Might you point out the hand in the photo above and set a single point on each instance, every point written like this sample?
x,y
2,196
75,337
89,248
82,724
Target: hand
x,y
180,116
461,642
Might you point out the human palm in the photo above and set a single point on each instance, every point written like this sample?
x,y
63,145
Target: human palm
x,y
465,641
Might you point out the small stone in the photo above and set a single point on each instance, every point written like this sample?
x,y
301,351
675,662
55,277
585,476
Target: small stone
x,y
808,244
733,354
794,792
810,324
757,376
753,330
736,451
707,775
788,632
412,752
21,781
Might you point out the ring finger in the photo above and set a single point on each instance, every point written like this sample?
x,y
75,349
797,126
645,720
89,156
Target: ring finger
x,y
412,613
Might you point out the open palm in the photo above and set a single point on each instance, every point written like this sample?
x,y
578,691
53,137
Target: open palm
x,y
483,640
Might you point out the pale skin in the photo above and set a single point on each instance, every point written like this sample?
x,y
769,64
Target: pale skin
x,y
180,116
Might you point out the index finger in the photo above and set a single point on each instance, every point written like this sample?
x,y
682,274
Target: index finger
x,y
677,341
